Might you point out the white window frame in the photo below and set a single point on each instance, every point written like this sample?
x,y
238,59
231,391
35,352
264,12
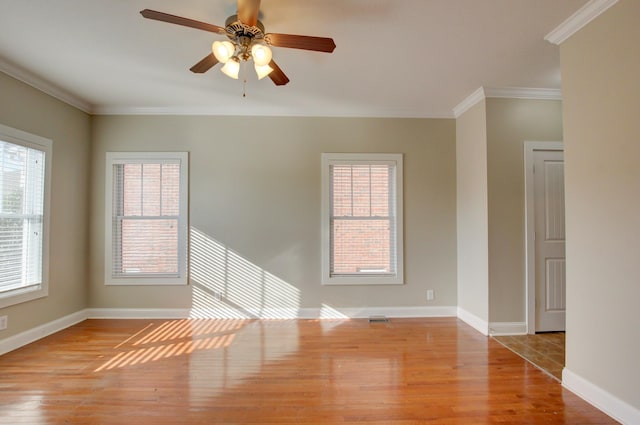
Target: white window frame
x,y
32,292
365,279
115,158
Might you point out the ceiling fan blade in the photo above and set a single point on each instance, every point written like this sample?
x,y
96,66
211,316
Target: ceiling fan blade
x,y
304,42
205,64
248,11
277,76
179,20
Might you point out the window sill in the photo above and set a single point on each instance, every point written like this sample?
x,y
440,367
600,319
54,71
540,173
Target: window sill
x,y
362,280
21,296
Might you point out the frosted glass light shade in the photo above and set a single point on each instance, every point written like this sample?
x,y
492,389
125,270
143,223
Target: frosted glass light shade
x,y
231,68
261,54
263,70
223,50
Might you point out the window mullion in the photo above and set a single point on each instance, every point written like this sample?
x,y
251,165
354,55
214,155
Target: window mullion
x,y
142,189
351,187
392,225
160,191
370,193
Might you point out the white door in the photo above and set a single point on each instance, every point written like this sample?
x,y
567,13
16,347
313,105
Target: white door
x,y
549,240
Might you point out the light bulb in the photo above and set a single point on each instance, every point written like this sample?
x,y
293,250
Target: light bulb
x,y
223,50
231,68
263,70
261,54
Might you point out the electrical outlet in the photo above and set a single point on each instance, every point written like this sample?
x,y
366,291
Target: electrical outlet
x,y
430,295
4,322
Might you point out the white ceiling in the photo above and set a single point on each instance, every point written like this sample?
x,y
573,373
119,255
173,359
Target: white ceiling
x,y
394,58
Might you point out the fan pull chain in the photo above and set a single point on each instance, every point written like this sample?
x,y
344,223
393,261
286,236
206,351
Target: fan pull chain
x,y
244,78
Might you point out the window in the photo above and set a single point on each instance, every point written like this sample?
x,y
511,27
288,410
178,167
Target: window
x,y
362,219
25,175
146,218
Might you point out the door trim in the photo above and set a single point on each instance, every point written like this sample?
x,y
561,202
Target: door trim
x,y
529,220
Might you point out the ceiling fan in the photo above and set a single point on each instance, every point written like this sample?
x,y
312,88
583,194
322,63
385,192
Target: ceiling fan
x,y
246,40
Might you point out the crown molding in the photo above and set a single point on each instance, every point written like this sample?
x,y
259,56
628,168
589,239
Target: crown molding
x,y
474,98
524,93
575,22
273,112
508,93
44,86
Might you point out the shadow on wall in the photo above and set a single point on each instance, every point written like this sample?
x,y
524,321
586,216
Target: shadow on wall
x,y
226,285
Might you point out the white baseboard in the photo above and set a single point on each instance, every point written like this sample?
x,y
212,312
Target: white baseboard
x,y
390,312
138,313
326,312
474,321
27,337
507,328
619,410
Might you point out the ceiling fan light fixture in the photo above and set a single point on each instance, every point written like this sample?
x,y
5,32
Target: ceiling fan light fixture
x,y
223,50
246,40
263,70
261,54
231,68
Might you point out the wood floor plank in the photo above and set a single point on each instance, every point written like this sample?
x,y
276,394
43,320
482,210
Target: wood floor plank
x,y
407,371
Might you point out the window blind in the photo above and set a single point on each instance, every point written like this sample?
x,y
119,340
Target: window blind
x,y
22,183
146,212
362,219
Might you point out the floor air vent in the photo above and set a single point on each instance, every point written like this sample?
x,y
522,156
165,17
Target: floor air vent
x,y
378,319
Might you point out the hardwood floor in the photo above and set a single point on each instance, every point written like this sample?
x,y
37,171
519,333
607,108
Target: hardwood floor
x,y
407,371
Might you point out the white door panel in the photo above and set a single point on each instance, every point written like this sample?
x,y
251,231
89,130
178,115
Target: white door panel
x,y
549,240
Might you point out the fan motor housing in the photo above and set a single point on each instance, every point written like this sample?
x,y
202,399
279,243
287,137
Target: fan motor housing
x,y
236,29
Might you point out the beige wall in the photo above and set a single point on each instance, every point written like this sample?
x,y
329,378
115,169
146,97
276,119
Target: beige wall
x,y
255,198
472,212
27,109
600,69
259,199
511,122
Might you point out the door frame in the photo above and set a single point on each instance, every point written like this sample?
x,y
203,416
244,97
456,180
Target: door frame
x,y
529,219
